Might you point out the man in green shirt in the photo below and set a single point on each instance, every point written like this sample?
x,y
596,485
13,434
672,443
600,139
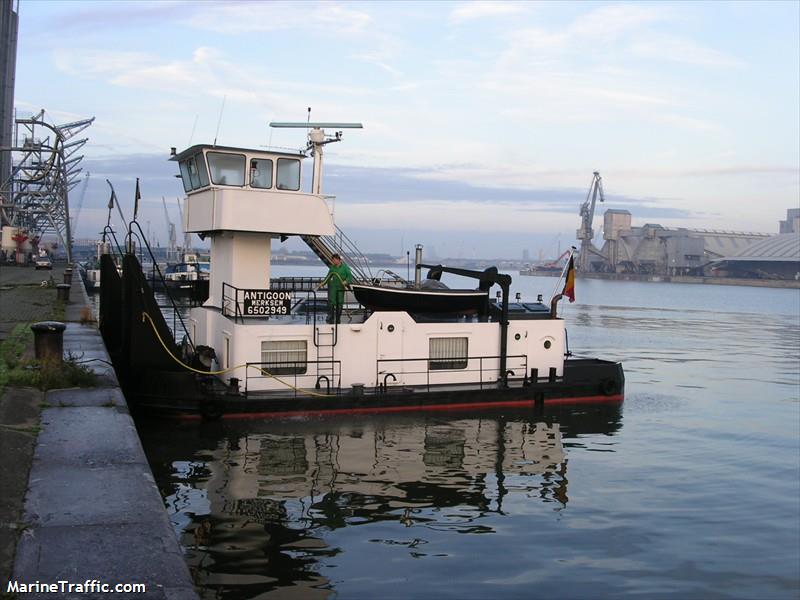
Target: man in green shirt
x,y
339,277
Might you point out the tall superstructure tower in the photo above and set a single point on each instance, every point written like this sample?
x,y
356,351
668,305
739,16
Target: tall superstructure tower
x,y
9,27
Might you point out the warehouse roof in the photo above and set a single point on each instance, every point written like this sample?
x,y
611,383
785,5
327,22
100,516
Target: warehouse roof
x,y
784,248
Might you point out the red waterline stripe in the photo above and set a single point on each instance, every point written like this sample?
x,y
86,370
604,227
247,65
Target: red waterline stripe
x,y
614,399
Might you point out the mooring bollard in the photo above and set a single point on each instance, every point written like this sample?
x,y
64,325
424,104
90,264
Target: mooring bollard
x,y
68,276
62,292
48,340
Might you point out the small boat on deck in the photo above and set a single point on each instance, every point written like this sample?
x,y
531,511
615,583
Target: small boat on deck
x,y
421,300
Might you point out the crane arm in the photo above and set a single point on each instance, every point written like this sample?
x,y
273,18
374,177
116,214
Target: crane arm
x,y
80,202
170,225
187,237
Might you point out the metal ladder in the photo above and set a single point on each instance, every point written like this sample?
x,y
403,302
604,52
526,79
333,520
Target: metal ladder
x,y
326,246
325,340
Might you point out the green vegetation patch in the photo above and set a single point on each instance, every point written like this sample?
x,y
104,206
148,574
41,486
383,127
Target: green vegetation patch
x,y
18,370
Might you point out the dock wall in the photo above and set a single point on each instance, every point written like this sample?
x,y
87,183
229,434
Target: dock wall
x,y
92,510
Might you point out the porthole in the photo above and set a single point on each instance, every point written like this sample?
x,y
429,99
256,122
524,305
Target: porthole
x,y
517,336
547,344
390,328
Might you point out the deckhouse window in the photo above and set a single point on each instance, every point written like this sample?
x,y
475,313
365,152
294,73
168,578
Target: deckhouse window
x,y
288,174
202,172
226,169
448,353
284,357
186,178
193,173
261,173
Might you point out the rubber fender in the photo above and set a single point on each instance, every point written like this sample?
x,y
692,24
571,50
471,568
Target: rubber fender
x,y
211,409
608,387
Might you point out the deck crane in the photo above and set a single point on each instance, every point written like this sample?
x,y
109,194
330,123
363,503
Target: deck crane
x,y
556,263
585,234
171,253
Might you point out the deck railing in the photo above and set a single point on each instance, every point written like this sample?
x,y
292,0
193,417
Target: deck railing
x,y
297,383
391,370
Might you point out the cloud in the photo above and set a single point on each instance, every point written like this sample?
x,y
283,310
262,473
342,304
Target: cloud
x,y
243,17
118,15
611,22
470,11
662,47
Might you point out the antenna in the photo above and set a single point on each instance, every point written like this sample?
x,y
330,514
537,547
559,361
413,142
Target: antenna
x,y
314,125
219,122
316,141
191,135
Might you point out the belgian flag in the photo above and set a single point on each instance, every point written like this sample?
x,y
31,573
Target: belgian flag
x,y
569,282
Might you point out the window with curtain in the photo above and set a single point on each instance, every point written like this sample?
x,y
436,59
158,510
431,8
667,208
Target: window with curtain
x,y
448,353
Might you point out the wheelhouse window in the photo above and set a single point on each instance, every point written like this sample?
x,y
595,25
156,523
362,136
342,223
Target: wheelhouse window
x,y
288,174
193,173
226,169
186,178
448,353
261,173
202,171
284,357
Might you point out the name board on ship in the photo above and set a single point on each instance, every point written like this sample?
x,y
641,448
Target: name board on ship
x,y
266,302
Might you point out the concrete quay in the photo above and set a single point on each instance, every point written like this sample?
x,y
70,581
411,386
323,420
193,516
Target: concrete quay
x,y
78,501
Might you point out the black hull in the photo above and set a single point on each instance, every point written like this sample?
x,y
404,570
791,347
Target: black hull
x,y
195,290
154,382
421,301
585,381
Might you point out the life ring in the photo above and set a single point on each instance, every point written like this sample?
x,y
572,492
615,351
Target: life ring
x,y
608,387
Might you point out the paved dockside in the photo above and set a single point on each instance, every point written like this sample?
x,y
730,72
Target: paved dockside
x,y
89,508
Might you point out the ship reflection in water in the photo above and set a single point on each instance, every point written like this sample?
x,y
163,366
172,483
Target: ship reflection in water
x,y
313,504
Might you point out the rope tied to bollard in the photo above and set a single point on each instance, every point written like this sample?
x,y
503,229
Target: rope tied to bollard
x,y
264,372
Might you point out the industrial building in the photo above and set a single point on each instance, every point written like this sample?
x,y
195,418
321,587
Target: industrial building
x,y
652,250
777,257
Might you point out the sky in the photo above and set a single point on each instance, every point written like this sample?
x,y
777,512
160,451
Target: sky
x,y
483,121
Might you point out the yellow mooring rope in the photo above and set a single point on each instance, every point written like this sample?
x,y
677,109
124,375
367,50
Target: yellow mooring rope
x,y
259,369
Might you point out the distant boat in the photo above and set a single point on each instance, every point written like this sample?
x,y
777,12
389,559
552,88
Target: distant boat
x,y
542,270
183,278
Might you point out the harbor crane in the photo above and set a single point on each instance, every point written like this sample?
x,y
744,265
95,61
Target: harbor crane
x,y
585,234
187,237
82,195
171,252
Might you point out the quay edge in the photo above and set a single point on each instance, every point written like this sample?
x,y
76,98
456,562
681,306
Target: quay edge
x,y
92,510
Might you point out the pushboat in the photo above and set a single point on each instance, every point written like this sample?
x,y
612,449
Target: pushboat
x,y
187,278
258,346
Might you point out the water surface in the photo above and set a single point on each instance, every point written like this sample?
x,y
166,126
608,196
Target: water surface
x,y
690,489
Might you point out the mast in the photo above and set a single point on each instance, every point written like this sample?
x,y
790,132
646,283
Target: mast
x,y
316,140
